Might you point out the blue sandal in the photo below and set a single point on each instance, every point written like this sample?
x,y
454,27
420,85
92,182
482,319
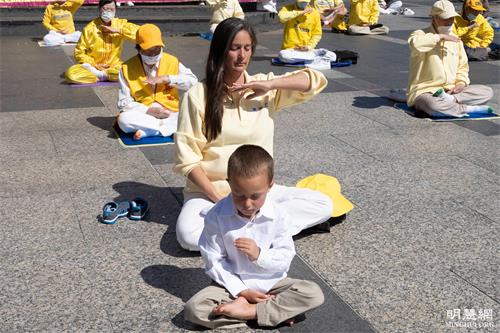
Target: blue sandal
x,y
139,208
112,211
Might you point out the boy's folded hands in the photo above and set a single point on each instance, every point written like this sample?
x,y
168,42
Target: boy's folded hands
x,y
248,246
254,296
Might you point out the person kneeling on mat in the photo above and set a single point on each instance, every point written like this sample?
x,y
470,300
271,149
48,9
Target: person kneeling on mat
x,y
148,98
99,48
474,31
439,72
58,19
363,18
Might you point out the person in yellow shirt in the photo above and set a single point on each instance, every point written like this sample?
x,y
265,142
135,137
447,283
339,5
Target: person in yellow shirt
x,y
332,13
302,29
58,19
223,9
474,31
363,18
231,108
438,82
150,81
99,48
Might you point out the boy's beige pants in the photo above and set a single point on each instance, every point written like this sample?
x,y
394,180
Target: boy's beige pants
x,y
293,297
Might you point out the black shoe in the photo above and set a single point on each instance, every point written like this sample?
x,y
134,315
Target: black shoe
x,y
337,31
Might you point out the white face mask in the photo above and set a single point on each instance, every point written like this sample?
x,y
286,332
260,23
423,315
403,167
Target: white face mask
x,y
107,16
151,60
446,30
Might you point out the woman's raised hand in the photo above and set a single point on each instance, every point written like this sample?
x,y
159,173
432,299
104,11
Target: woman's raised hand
x,y
259,88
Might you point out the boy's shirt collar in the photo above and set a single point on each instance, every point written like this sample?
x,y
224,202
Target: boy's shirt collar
x,y
266,211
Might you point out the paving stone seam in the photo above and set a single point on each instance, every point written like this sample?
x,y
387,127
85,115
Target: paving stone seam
x,y
474,210
478,165
330,286
474,286
356,148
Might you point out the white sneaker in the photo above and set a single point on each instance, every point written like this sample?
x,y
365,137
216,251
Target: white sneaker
x,y
118,4
130,4
270,8
407,12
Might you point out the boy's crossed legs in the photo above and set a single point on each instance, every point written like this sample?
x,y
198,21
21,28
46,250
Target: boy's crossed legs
x,y
292,297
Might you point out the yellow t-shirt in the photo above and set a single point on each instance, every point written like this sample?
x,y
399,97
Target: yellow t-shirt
x,y
364,12
322,5
245,121
224,9
480,36
300,30
94,47
434,64
60,17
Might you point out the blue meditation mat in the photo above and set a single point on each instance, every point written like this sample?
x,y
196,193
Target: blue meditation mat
x,y
471,116
206,35
278,62
96,84
127,139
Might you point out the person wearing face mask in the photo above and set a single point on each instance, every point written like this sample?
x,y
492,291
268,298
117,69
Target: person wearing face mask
x,y
148,99
302,30
438,81
98,50
474,31
363,18
58,19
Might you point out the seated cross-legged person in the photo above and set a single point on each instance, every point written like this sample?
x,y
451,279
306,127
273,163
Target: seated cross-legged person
x,y
474,31
99,48
302,29
439,82
332,13
148,98
363,18
58,19
224,9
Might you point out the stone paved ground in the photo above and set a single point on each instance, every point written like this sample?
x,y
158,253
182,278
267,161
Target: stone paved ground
x,y
422,239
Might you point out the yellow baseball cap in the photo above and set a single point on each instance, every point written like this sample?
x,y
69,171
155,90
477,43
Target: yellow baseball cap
x,y
331,187
475,4
148,36
443,9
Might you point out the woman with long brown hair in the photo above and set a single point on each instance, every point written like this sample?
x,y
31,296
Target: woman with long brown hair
x,y
231,108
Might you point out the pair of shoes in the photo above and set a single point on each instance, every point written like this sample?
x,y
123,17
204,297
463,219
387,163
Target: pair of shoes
x,y
135,210
406,12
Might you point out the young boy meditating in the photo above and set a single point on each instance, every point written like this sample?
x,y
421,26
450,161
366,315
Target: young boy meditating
x,y
247,251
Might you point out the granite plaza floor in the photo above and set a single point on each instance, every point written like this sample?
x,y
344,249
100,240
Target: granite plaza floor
x,y
422,240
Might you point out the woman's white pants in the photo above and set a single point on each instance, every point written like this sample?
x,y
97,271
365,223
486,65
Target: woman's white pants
x,y
305,208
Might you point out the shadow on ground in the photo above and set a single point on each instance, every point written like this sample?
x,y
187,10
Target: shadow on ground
x,y
369,102
105,123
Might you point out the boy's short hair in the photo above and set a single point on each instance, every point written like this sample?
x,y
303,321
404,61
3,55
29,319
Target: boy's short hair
x,y
103,3
248,161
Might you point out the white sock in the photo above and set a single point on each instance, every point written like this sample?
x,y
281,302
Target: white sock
x,y
441,93
478,109
101,75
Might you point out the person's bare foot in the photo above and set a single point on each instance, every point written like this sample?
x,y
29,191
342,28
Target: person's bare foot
x,y
138,135
239,309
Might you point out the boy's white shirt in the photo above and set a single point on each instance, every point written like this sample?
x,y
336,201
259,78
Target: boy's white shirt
x,y
231,268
